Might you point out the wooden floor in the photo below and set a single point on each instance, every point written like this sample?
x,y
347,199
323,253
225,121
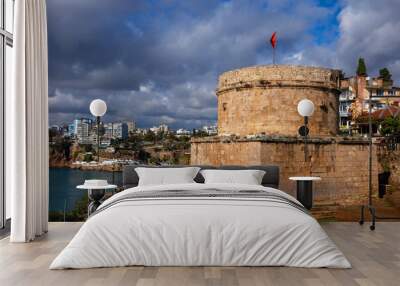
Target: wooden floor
x,y
375,257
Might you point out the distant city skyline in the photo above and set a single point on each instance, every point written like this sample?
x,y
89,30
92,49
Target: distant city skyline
x,y
71,128
159,62
128,122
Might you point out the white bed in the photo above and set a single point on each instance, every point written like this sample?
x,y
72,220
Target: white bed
x,y
202,231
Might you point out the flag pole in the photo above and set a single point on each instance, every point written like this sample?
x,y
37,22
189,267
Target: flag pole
x,y
273,56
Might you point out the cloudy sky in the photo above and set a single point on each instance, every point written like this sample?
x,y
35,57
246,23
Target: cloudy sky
x,y
158,61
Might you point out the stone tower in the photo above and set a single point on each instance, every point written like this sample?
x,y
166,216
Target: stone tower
x,y
263,100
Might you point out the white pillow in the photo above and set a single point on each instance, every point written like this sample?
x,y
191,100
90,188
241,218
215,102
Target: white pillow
x,y
166,176
248,177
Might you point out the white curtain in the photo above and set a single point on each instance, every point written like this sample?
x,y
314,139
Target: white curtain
x,y
27,142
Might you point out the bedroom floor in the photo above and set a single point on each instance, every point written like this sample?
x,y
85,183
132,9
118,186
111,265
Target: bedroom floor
x,y
375,257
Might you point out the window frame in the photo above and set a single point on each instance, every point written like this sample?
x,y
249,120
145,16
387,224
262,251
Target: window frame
x,y
6,39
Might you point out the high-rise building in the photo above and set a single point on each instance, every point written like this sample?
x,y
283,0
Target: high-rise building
x,y
71,130
108,130
131,126
82,130
92,137
118,130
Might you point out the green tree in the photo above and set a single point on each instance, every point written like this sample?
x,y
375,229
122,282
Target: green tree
x,y
79,213
88,157
86,147
75,155
135,141
150,136
143,156
66,144
361,68
200,133
116,142
160,136
390,126
385,74
52,134
171,136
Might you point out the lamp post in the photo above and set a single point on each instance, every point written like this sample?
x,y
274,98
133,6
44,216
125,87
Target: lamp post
x,y
369,206
305,108
98,108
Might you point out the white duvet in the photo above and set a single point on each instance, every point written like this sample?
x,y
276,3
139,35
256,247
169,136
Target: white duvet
x,y
200,231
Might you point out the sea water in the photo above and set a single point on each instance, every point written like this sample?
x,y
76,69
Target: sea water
x,y
63,182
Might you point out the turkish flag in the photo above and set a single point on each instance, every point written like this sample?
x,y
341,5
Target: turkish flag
x,y
273,40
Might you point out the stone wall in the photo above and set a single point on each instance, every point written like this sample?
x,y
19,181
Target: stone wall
x,y
263,99
342,164
390,161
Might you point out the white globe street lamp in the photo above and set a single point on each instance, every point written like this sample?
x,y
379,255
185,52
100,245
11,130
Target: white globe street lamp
x,y
98,108
306,109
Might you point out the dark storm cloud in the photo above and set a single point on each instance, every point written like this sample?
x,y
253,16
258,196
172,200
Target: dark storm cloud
x,y
158,61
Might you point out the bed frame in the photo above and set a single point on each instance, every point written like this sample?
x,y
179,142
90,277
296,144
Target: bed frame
x,y
130,178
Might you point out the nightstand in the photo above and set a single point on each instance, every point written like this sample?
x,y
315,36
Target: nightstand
x,y
305,190
96,191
